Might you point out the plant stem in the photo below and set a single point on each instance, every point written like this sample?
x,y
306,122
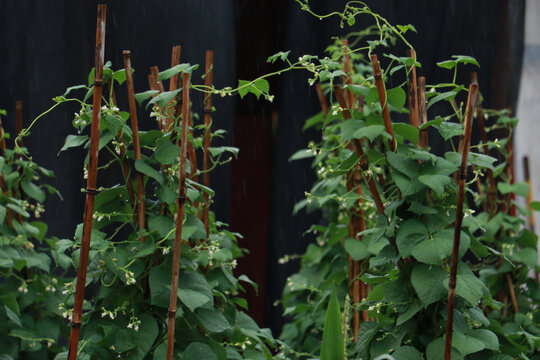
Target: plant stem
x,y
382,98
90,185
136,143
208,81
492,187
179,218
473,88
3,184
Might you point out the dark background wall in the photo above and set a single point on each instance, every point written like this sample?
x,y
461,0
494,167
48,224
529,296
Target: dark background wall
x,y
46,47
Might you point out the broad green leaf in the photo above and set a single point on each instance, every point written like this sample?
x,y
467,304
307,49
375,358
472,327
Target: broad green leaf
x,y
396,97
120,76
449,129
535,205
428,283
73,141
33,191
435,351
403,165
409,234
466,344
144,338
407,353
256,87
175,70
194,290
146,169
366,333
518,188
73,88
435,182
216,151
281,55
371,132
114,123
199,351
161,224
213,320
409,132
413,309
332,347
141,97
356,249
192,299
407,186
488,338
166,152
482,160
448,96
160,287
349,128
468,286
438,247
164,98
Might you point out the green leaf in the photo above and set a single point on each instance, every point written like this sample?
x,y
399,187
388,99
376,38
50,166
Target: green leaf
x,y
482,160
428,283
302,154
114,123
164,98
142,167
162,225
435,182
199,351
437,247
73,141
349,128
464,59
448,96
356,249
194,290
175,70
166,152
281,55
141,97
371,132
332,347
535,205
256,87
408,131
518,188
407,353
468,286
192,299
160,287
396,97
404,165
72,88
33,191
410,233
413,309
144,338
488,338
435,351
216,151
120,76
466,344
213,320
449,129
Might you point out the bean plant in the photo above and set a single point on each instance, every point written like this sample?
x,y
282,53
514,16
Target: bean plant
x,y
404,251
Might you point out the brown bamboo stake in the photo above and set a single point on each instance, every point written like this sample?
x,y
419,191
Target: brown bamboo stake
x,y
412,94
175,60
512,293
208,82
179,218
347,80
90,184
530,196
136,144
473,88
154,70
362,158
322,99
382,98
191,153
510,173
423,137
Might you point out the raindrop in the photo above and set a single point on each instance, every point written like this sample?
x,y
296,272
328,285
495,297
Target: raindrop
x,y
320,18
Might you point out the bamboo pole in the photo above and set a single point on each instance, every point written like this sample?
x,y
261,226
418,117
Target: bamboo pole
x,y
512,293
322,99
362,158
412,94
423,137
179,218
473,88
530,196
136,144
347,80
175,60
208,82
383,100
90,185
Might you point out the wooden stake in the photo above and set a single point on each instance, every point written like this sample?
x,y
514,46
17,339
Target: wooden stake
x,y
175,60
362,158
471,101
208,82
347,80
413,94
512,293
136,143
423,138
322,99
492,195
530,196
382,97
90,184
179,219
